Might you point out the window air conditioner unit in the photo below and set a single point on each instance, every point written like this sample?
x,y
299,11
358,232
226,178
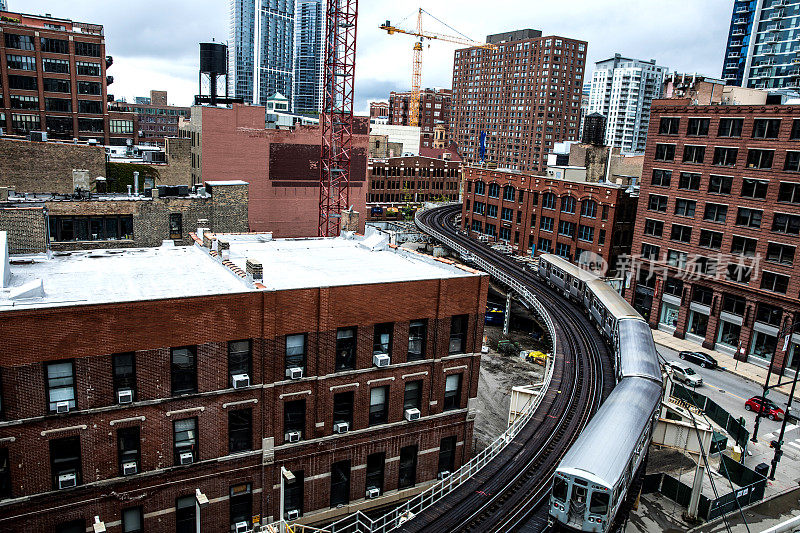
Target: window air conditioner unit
x,y
293,436
373,492
186,458
292,514
443,474
124,396
241,527
412,414
240,381
62,407
129,468
294,372
380,360
66,481
341,427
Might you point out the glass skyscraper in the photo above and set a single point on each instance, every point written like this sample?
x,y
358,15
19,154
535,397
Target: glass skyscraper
x,y
308,54
763,50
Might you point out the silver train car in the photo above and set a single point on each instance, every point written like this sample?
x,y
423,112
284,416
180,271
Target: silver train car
x,y
592,481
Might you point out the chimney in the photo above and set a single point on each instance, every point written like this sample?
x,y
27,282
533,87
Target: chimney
x,y
136,183
224,248
255,269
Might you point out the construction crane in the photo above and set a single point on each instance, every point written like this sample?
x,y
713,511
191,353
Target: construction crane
x,y
336,119
421,35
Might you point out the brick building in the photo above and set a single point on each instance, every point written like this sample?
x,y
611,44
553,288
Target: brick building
x,y
172,370
434,110
525,94
282,167
54,75
398,181
379,110
719,218
538,214
157,119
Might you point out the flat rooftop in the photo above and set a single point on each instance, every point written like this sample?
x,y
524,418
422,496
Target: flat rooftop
x,y
141,274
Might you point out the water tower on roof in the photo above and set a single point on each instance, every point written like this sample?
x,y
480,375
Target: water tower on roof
x,y
213,66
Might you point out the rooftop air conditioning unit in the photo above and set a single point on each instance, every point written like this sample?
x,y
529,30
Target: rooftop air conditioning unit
x,y
380,360
443,474
129,468
241,527
240,381
186,458
373,492
341,427
293,436
292,514
62,407
124,396
66,481
412,414
294,372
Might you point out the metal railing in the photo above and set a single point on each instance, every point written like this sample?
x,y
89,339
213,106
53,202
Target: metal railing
x,y
358,522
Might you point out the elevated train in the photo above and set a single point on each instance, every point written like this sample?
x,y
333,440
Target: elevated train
x,y
593,479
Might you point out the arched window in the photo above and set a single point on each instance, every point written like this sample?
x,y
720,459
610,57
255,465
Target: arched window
x,y
548,200
480,187
589,208
494,190
568,204
508,193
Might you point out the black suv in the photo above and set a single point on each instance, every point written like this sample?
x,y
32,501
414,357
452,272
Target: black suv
x,y
700,358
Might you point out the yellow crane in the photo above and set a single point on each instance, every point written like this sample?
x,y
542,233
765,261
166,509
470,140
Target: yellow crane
x,y
420,35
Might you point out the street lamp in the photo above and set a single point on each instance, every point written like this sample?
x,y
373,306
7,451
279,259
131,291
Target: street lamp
x,y
286,475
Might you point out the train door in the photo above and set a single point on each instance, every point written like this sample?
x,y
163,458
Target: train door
x,y
577,502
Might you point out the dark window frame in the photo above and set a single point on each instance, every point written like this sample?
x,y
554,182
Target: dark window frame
x,y
240,430
183,376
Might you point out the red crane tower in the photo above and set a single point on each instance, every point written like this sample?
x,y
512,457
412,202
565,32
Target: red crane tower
x,y
336,119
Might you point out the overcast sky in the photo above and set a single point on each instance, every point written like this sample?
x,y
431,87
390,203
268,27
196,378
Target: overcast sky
x,y
155,43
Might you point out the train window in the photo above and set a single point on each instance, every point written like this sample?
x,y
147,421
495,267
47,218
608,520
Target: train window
x,y
599,503
559,489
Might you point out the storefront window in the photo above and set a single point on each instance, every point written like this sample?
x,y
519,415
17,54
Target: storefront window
x,y
729,334
763,345
698,324
669,315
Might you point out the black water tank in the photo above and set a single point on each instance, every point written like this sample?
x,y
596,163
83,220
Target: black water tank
x,y
214,58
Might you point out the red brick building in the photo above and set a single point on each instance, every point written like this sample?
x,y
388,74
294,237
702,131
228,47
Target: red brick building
x,y
717,227
53,72
538,214
121,398
525,94
434,109
281,166
378,109
157,119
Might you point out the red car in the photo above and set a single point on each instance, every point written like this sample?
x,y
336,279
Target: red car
x,y
771,411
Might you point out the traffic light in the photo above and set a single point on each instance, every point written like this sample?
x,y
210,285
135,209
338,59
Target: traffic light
x,y
774,444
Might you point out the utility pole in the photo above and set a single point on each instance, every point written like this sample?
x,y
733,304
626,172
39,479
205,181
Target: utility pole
x,y
767,387
778,453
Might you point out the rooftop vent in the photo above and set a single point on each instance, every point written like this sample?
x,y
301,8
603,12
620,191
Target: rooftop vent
x,y
255,269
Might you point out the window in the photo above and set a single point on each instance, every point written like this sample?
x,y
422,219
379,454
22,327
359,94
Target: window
x,y
710,239
378,405
417,333
407,469
661,178
185,438
676,258
559,489
241,503
730,127
87,49
59,105
108,228
548,201
665,152
184,514
546,224
702,295
89,87
586,233
184,370
566,228
681,233
240,430
657,203
491,210
720,184
375,465
599,503
458,334
452,392
121,126
56,86
447,455
568,204
124,373
73,526
733,304
87,106
774,282
54,46
20,42
296,351
86,68
382,341
589,208
766,128
345,349
412,396
294,417
508,193
340,483
480,188
654,228
690,181
795,129
545,245
768,314
93,125
650,251
725,157
239,359
26,83
749,217
783,223
563,250
494,190
65,459
21,62
780,253
716,213
343,407
175,225
24,102
698,127
673,286
60,384
507,214
128,448
669,125
685,208
693,154
293,492
754,188
743,246
792,162
132,520
759,158
5,475
789,192
59,66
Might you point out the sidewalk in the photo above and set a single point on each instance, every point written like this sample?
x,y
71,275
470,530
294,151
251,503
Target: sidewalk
x,y
749,371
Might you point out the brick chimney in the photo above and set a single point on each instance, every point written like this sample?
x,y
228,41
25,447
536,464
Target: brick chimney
x,y
350,220
255,269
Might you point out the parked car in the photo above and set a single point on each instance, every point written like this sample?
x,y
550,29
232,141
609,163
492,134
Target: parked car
x,y
700,358
684,373
771,411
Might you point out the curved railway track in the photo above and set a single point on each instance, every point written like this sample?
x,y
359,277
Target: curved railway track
x,y
511,494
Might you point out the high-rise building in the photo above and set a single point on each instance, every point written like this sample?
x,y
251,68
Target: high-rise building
x,y
622,91
434,110
524,95
763,51
261,44
309,50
